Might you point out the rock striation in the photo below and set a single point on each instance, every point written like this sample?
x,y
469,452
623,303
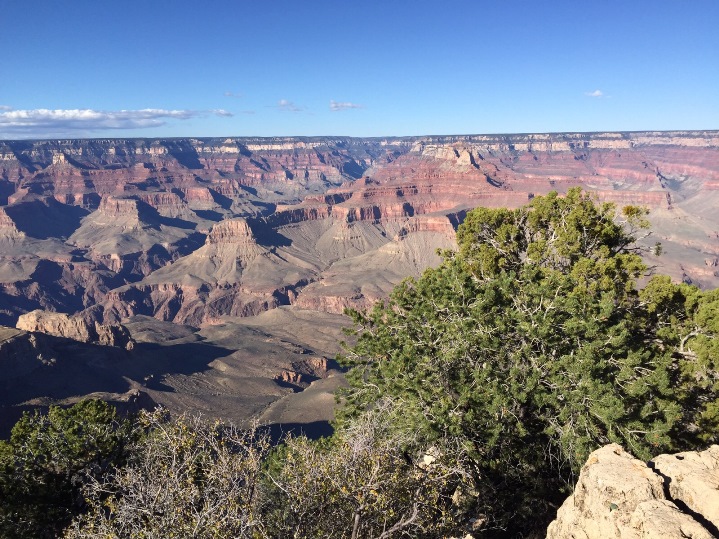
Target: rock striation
x,y
191,230
617,495
228,235
76,328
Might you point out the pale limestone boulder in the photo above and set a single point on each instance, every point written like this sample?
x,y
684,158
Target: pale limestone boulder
x,y
611,485
661,518
619,496
76,328
57,324
693,478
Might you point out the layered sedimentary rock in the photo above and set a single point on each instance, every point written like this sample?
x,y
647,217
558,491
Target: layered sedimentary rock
x,y
231,274
674,496
257,245
77,328
191,230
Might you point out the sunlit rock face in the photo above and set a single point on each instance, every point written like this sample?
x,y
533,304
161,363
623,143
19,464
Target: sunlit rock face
x,y
674,496
191,230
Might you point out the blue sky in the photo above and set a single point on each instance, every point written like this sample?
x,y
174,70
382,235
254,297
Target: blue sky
x,y
162,68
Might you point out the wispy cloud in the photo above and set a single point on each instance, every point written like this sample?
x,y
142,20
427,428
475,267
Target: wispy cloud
x,y
236,95
595,93
5,107
336,106
288,106
42,122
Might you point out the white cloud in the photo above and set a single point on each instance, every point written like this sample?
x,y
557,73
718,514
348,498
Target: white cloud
x,y
42,122
5,107
336,106
237,95
288,106
595,93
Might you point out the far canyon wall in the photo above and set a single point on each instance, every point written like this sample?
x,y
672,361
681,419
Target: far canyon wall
x,y
197,230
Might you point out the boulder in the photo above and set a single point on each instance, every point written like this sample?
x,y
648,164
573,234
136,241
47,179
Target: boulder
x,y
693,481
620,496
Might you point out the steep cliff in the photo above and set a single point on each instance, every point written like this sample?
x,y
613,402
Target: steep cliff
x,y
77,328
191,230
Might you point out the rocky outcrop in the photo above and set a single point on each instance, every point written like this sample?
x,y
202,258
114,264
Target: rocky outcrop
x,y
693,481
21,353
424,223
167,174
8,228
76,328
617,495
231,231
194,303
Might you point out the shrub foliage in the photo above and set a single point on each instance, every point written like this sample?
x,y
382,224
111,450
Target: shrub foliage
x,y
532,346
50,458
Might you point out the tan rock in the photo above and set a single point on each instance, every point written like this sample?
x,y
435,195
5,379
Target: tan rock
x,y
620,496
611,485
231,231
114,335
693,478
76,328
58,324
661,518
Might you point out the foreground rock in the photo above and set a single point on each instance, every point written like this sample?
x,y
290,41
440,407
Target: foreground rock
x,y
617,495
693,480
76,328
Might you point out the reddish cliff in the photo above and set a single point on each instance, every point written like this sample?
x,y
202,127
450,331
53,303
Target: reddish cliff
x,y
197,229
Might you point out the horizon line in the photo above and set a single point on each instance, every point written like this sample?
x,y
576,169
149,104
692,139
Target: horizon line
x,y
377,137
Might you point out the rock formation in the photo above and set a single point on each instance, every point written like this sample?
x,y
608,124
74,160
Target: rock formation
x,y
674,496
125,224
38,369
230,235
76,328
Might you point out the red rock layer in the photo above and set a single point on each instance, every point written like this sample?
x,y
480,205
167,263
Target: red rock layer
x,y
167,196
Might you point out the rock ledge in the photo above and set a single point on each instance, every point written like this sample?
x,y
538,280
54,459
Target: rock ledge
x,y
617,495
74,327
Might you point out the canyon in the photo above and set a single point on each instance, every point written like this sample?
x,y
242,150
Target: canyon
x,y
212,274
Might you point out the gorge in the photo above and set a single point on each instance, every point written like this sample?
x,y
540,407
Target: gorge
x,y
227,263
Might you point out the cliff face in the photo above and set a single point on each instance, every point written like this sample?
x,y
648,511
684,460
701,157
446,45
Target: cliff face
x,y
674,496
191,230
62,325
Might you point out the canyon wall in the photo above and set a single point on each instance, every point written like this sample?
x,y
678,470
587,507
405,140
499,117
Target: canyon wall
x,y
193,230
